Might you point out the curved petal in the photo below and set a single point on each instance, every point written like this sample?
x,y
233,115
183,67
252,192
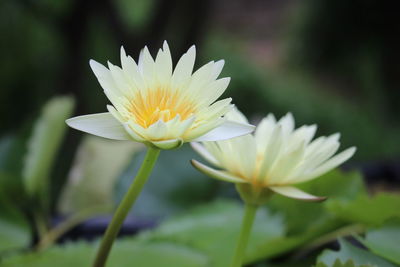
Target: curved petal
x,y
220,175
293,192
100,124
204,153
328,165
226,130
168,144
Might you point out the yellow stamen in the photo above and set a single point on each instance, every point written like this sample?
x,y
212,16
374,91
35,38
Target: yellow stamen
x,y
159,104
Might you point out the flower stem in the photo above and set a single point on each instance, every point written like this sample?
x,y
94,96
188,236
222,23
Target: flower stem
x,y
247,223
125,206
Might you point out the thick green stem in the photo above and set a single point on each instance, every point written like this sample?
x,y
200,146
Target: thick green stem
x,y
125,206
247,223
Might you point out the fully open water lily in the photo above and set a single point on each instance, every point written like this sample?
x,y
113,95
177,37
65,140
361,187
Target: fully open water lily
x,y
154,104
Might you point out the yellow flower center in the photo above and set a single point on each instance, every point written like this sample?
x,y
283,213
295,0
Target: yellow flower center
x,y
150,106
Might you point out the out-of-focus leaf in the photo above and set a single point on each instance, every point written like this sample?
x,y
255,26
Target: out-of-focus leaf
x,y
91,181
14,228
306,220
372,211
214,228
173,186
349,252
338,263
124,253
304,216
43,145
385,241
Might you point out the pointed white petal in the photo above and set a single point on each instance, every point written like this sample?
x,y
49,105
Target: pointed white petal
x,y
104,77
295,193
272,151
217,68
184,68
329,164
168,144
164,65
157,130
100,124
235,115
220,175
226,130
287,123
202,151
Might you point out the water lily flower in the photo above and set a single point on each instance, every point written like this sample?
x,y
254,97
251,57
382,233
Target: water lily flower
x,y
275,158
159,106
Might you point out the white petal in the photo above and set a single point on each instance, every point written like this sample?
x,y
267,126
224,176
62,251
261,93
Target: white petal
x,y
184,68
100,124
148,67
168,144
295,193
157,130
104,77
131,70
164,65
217,68
226,130
236,116
220,175
204,153
272,151
287,123
329,165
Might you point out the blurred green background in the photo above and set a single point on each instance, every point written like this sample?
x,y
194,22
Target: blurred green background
x,y
333,63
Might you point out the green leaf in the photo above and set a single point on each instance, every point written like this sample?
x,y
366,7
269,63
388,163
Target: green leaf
x,y
304,216
305,220
91,181
43,145
385,241
338,263
124,253
214,228
14,228
349,252
370,211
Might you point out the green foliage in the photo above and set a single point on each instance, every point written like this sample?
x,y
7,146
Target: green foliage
x,y
44,143
98,162
213,229
338,263
14,229
372,211
384,241
125,253
349,252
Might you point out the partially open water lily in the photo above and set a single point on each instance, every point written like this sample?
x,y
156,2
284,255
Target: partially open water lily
x,y
275,158
154,104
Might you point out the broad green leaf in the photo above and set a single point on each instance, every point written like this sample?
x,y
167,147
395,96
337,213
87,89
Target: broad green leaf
x,y
91,181
338,263
371,211
214,228
43,145
14,228
124,253
302,216
350,252
384,241
305,220
173,186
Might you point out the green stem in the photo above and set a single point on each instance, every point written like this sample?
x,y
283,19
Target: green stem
x,y
125,206
247,223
